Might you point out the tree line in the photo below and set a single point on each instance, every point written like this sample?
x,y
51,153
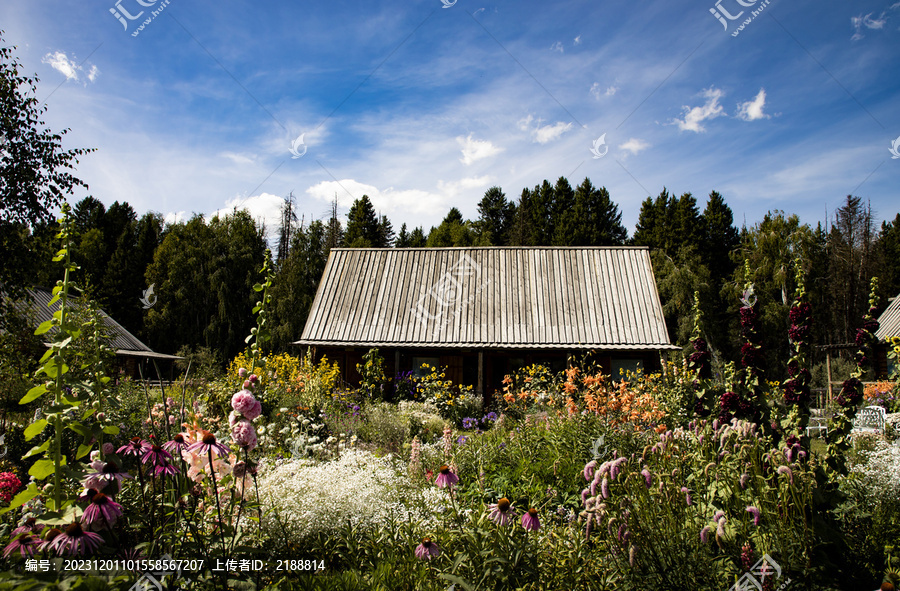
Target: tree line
x,y
202,270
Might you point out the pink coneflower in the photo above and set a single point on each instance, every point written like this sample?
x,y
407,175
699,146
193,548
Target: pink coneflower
x,y
135,447
157,455
501,511
446,477
530,520
427,550
25,544
103,512
108,473
208,443
177,444
164,468
31,526
755,513
75,541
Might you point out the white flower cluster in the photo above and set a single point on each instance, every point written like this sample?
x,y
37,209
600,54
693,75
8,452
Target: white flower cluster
x,y
302,497
880,471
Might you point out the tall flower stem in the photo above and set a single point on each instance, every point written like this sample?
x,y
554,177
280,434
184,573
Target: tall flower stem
x,y
212,475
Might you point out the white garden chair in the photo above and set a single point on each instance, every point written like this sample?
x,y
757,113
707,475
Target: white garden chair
x,y
869,420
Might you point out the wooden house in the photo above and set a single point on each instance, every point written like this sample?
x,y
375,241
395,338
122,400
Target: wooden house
x,y
485,312
888,326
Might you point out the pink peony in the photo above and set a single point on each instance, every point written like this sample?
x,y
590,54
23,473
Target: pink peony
x,y
243,401
244,435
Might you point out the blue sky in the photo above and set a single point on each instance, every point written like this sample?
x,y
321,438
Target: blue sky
x,y
424,107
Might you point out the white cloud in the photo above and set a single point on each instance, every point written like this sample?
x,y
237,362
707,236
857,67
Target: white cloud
x,y
60,62
558,46
598,92
263,207
694,117
543,133
473,150
634,145
237,158
174,218
578,40
858,22
753,110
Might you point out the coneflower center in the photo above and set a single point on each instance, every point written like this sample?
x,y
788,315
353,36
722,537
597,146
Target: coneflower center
x,y
208,438
99,498
532,512
503,504
444,469
110,468
73,530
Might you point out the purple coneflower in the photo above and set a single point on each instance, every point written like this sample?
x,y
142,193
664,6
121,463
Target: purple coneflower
x,y
75,541
108,473
176,445
427,550
446,477
501,511
164,468
31,526
135,447
157,455
208,443
49,535
530,520
103,512
755,513
25,544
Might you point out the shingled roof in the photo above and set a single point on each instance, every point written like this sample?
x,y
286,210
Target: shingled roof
x,y
496,297
889,321
120,340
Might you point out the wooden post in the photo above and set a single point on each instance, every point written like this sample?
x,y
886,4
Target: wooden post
x,y
480,388
828,371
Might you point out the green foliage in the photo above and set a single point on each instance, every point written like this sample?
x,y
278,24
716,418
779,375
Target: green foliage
x,y
374,381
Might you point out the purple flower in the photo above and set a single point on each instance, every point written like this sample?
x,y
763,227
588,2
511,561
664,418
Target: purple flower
x,y
745,478
755,513
589,470
135,447
164,469
785,471
501,511
687,495
530,520
208,443
157,455
604,488
108,473
244,435
25,544
469,423
101,513
446,477
177,445
648,478
427,550
242,402
704,534
31,526
75,541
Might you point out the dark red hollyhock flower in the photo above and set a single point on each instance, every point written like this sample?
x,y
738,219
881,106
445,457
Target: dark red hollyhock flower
x,y
861,337
751,355
799,333
729,401
748,317
801,313
745,407
871,326
851,392
791,393
793,367
699,344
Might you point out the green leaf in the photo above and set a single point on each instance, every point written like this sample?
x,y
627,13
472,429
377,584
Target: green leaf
x,y
257,287
23,497
42,469
38,449
35,429
81,429
83,450
44,327
111,430
33,394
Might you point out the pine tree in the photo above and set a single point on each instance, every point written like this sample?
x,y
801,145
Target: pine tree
x,y
402,238
495,217
286,230
417,238
363,227
385,233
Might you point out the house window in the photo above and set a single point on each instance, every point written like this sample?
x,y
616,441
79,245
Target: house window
x,y
418,362
620,367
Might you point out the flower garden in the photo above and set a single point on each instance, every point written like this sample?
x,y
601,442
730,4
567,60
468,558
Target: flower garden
x,y
276,476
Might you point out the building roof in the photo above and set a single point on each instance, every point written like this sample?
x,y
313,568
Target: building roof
x,y
120,340
497,297
889,321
